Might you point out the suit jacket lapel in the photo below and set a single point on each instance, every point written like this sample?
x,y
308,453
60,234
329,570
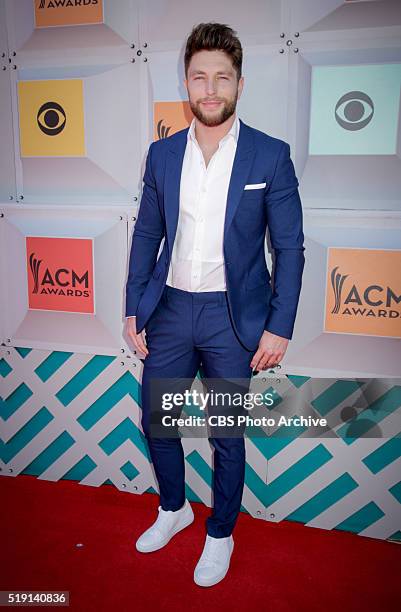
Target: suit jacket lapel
x,y
172,180
240,171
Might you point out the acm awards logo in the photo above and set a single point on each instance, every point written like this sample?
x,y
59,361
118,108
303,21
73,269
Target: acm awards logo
x,y
50,13
170,117
369,301
54,4
162,130
59,281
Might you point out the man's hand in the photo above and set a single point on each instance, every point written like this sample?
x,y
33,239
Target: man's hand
x,y
137,339
270,352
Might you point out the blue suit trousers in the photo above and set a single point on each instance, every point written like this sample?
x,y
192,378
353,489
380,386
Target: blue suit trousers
x,y
186,332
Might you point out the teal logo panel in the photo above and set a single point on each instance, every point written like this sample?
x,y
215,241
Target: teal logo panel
x,y
354,109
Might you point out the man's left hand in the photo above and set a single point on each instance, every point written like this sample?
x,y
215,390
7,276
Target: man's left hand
x,y
270,352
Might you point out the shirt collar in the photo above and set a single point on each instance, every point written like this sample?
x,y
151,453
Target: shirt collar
x,y
233,132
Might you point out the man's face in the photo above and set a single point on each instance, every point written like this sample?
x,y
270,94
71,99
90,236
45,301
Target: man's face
x,y
212,87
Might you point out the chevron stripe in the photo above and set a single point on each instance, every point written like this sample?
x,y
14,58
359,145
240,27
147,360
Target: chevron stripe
x,y
129,470
14,401
126,430
300,470
334,395
256,485
191,495
278,440
5,369
384,455
289,431
298,381
328,496
23,352
396,536
125,385
362,519
396,491
49,455
84,377
51,364
81,469
27,433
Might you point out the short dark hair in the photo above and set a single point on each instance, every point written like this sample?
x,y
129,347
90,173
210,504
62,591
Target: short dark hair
x,y
214,36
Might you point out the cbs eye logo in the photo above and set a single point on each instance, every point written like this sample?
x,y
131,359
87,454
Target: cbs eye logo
x,y
354,110
51,118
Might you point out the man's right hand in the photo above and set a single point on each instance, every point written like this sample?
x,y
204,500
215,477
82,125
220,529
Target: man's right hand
x,y
137,339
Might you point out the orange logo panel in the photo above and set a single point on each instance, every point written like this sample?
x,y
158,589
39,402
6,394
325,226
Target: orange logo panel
x,y
170,117
67,12
60,274
363,292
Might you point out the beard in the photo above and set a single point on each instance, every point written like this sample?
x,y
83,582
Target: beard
x,y
215,117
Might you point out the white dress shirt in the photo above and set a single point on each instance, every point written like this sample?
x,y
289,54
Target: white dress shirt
x,y
197,259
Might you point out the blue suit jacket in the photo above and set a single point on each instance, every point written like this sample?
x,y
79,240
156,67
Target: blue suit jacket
x,y
253,305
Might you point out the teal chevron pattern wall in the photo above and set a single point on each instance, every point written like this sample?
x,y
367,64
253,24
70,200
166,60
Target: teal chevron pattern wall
x,y
77,416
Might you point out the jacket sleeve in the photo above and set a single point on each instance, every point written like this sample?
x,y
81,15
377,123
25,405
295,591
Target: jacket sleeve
x,y
285,224
147,235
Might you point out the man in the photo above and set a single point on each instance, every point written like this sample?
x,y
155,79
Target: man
x,y
211,190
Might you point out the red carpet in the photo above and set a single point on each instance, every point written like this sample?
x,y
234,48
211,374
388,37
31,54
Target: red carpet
x,y
274,567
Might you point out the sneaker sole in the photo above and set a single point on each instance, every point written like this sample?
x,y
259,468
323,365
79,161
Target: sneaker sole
x,y
211,582
167,540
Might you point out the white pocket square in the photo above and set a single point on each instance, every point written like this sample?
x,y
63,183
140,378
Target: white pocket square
x,y
255,186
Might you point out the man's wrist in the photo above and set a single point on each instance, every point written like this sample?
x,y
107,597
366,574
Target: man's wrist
x,y
286,336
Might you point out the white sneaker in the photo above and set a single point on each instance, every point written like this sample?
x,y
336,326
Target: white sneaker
x,y
167,524
215,560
